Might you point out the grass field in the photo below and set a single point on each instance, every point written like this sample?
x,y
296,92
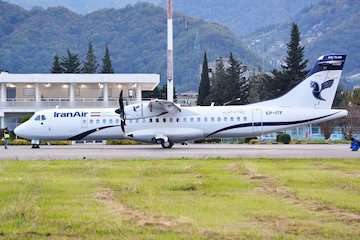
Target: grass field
x,y
180,199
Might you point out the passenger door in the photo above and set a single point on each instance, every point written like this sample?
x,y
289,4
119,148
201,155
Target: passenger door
x,y
257,121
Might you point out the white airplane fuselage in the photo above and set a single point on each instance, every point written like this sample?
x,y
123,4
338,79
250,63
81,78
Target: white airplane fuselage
x,y
190,124
161,121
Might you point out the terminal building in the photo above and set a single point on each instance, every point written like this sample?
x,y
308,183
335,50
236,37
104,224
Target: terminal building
x,y
22,94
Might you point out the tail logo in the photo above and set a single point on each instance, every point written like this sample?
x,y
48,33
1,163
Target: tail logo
x,y
317,90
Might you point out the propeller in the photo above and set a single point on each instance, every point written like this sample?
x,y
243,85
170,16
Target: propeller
x,y
121,111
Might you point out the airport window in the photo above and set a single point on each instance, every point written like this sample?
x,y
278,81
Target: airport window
x,y
157,120
37,118
91,121
219,119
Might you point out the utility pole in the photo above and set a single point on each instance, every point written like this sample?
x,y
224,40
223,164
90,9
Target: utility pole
x,y
170,52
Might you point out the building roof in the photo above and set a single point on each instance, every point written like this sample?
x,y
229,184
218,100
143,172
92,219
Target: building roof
x,y
147,81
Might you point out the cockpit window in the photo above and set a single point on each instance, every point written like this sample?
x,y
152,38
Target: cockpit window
x,y
38,118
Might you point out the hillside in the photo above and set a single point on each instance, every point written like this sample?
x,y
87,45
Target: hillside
x,y
241,16
136,36
328,27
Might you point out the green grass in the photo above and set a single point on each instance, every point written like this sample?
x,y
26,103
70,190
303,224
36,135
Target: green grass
x,y
201,199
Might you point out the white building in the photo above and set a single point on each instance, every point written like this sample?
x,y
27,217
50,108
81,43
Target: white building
x,y
21,94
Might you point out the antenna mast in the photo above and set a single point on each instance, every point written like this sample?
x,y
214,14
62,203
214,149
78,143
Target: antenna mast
x,y
170,52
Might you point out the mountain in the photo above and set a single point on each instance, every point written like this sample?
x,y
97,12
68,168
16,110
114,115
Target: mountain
x,y
136,36
241,16
330,26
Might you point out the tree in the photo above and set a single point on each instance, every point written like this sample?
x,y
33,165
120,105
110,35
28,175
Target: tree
x,y
56,67
204,88
232,79
107,64
216,92
71,63
90,65
258,88
293,70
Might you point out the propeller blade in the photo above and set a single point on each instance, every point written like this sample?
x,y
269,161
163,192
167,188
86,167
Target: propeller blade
x,y
121,111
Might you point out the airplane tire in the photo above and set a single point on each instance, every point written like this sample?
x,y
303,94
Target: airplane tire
x,y
167,145
35,146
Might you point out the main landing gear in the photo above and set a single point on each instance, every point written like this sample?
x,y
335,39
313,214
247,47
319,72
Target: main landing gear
x,y
164,141
166,145
35,144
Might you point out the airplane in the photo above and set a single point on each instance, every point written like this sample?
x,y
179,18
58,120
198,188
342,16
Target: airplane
x,y
166,123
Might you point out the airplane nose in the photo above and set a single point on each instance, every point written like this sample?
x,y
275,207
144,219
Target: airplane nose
x,y
19,131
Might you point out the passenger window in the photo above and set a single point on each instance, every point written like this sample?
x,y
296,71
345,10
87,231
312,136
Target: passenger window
x,y
239,119
91,121
205,119
37,118
225,119
245,118
232,119
184,119
150,120
171,120
104,121
137,121
178,120
110,121
191,119
144,120
199,119
43,118
97,121
164,120
219,119
157,120
212,119
117,120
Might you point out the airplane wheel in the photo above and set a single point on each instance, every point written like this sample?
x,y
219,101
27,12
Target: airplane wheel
x,y
167,145
35,146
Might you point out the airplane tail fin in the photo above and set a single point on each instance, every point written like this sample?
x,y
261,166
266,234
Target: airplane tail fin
x,y
318,89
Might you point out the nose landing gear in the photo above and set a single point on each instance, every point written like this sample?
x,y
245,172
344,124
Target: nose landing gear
x,y
35,144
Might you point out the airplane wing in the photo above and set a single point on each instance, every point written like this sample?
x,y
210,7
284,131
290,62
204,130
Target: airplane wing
x,y
164,106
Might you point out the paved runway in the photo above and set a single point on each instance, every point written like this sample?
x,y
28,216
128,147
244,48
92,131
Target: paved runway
x,y
95,152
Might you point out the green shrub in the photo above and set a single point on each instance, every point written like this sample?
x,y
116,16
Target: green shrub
x,y
254,141
121,142
19,142
283,138
59,143
247,140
